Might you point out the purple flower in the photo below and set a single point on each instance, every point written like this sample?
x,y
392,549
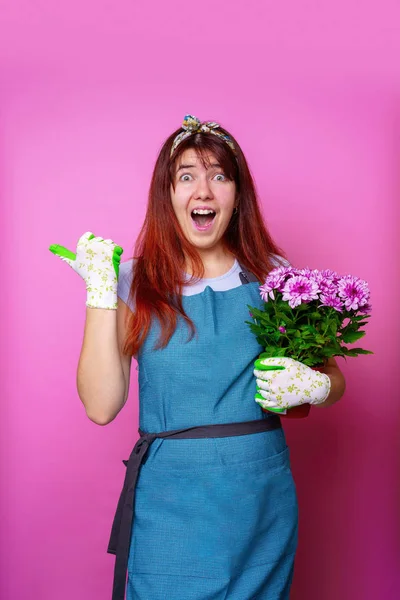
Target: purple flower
x,y
307,272
331,299
328,287
366,309
282,329
275,281
300,288
328,274
328,282
354,292
326,279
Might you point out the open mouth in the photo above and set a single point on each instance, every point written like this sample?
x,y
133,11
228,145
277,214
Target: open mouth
x,y
202,220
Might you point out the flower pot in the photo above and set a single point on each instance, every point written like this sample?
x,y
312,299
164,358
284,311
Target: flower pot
x,y
297,412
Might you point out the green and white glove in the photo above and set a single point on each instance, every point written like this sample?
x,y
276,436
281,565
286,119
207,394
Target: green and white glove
x,y
283,382
97,262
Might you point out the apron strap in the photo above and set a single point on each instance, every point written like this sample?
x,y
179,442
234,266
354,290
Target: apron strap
x,y
246,276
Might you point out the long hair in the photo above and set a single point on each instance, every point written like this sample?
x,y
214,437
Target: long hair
x,y
161,248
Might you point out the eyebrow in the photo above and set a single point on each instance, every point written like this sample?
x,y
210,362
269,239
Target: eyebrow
x,y
181,167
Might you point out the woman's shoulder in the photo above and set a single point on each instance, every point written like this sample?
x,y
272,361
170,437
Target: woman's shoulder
x,y
279,261
126,268
125,278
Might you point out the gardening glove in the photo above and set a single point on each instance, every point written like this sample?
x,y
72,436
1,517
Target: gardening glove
x,y
97,262
283,382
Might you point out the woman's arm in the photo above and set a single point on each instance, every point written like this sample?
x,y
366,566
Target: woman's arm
x,y
338,382
104,371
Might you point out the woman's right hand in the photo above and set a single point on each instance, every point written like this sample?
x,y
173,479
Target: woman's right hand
x,y
97,262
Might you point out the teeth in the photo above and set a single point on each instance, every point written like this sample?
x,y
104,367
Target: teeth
x,y
199,211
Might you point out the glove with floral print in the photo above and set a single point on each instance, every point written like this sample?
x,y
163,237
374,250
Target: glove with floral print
x,y
283,382
97,262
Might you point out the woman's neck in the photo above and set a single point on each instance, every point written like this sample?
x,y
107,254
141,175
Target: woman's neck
x,y
215,265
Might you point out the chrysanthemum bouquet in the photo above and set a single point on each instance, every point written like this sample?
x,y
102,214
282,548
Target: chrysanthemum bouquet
x,y
310,315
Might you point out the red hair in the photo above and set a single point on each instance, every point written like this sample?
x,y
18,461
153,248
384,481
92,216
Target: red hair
x,y
161,247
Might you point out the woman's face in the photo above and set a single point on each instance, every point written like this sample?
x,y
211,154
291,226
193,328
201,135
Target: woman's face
x,y
197,187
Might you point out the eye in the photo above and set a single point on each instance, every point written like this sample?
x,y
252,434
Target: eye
x,y
221,175
185,175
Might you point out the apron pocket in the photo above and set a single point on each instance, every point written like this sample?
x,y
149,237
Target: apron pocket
x,y
214,522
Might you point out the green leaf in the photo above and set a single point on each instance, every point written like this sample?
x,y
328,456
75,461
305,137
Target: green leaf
x,y
352,336
361,351
302,307
316,316
284,317
255,311
271,351
307,345
284,307
312,360
281,351
309,328
333,327
327,351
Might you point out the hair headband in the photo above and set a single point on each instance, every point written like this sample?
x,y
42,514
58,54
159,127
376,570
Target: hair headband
x,y
191,125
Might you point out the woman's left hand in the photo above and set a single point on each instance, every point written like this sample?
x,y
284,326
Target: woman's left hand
x,y
283,382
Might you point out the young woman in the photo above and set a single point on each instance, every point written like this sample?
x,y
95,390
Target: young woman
x,y
208,510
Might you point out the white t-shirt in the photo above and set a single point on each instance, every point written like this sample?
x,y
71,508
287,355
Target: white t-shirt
x,y
226,281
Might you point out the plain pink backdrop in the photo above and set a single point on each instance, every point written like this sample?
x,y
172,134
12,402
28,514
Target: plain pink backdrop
x,y
89,91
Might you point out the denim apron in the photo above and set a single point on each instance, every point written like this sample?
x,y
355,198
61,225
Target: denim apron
x,y
206,513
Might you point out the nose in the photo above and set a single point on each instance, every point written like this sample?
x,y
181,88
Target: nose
x,y
203,189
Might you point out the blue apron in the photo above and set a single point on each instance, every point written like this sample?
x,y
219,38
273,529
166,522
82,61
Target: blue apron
x,y
214,518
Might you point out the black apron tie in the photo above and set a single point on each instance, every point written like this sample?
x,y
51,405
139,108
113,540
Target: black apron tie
x,y
121,530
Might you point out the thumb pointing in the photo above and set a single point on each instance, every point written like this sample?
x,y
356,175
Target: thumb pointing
x,y
63,253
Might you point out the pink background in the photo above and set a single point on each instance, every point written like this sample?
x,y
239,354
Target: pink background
x,y
89,91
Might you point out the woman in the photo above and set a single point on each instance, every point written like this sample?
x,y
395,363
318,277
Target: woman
x,y
206,513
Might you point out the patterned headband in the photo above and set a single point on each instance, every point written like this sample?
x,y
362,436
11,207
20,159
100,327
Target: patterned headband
x,y
191,125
